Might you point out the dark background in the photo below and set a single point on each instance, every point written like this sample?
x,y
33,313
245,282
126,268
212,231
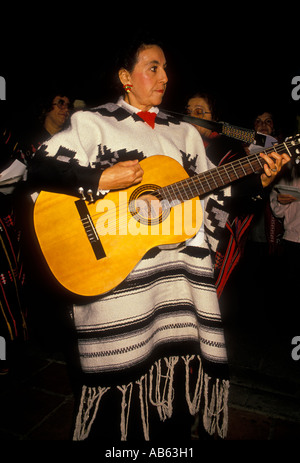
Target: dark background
x,y
245,55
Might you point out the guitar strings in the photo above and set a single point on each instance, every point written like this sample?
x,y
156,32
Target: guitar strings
x,y
225,172
242,163
121,214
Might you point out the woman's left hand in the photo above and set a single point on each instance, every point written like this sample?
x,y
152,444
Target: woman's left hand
x,y
274,164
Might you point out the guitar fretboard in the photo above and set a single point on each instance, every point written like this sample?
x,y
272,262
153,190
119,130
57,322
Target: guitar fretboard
x,y
205,182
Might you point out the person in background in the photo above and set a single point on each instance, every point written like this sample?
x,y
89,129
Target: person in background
x,y
265,229
220,150
52,116
56,117
54,111
264,123
285,206
13,309
263,241
203,106
20,304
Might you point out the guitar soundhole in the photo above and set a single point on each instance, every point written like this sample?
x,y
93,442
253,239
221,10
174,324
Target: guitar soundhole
x,y
147,206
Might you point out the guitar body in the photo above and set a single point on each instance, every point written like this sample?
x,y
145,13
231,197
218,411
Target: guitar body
x,y
91,247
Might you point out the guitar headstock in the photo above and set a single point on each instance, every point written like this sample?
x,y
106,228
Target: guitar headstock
x,y
293,147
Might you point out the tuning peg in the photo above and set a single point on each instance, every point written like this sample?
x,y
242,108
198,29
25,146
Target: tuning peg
x,y
81,192
90,193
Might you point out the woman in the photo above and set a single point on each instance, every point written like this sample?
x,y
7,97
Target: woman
x,y
53,116
152,350
285,206
264,123
220,150
53,113
203,106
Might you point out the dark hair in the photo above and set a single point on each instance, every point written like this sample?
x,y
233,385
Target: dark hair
x,y
267,109
128,54
45,103
210,100
261,111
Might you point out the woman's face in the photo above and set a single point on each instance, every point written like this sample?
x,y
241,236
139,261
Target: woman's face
x,y
264,124
60,111
198,107
148,79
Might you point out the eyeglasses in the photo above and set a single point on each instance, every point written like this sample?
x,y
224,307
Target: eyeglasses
x,y
63,104
264,121
197,112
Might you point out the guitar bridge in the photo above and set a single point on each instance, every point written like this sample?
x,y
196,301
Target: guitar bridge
x,y
90,229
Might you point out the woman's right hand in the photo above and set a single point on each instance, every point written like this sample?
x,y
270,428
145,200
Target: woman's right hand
x,y
122,175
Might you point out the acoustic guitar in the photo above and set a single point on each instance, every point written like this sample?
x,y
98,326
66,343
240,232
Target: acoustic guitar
x,y
92,246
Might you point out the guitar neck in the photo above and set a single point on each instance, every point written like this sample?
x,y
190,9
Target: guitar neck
x,y
219,177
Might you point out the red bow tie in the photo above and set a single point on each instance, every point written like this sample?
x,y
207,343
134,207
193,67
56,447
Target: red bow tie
x,y
148,117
